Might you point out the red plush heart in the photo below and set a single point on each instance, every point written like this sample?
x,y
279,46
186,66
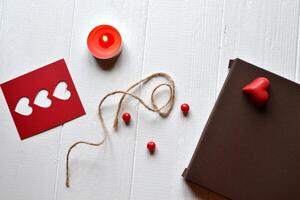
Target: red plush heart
x,y
257,91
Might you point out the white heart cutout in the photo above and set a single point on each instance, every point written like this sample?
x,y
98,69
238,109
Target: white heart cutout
x,y
23,107
42,100
61,91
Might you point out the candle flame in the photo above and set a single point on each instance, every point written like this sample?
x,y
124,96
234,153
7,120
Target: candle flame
x,y
104,38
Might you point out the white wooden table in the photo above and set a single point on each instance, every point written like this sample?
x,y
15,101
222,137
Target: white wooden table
x,y
192,40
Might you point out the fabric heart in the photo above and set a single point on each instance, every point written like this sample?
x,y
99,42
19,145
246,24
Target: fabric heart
x,y
257,91
23,107
42,99
61,91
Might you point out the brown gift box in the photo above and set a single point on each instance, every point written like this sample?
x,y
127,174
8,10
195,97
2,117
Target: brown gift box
x,y
247,153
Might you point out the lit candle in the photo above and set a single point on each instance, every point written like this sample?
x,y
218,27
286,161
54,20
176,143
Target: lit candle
x,y
104,42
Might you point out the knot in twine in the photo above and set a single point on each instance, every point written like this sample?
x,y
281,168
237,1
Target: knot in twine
x,y
163,111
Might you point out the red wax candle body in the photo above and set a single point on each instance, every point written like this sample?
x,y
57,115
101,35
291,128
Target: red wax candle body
x,y
104,42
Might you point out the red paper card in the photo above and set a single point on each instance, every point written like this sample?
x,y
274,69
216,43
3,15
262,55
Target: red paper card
x,y
38,117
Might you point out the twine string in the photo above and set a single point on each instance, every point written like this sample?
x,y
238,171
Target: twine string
x,y
163,111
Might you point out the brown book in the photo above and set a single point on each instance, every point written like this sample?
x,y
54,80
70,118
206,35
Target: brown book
x,y
246,152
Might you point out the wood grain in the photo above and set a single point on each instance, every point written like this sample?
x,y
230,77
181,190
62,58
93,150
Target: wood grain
x,y
33,33
262,32
191,40
181,39
105,172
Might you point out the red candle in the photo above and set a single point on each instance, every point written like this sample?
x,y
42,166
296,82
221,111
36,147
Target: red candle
x,y
104,42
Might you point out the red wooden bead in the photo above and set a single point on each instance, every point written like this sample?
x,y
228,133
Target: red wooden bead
x,y
151,146
185,108
126,117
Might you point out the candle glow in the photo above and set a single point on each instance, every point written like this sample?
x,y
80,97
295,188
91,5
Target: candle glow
x,y
104,42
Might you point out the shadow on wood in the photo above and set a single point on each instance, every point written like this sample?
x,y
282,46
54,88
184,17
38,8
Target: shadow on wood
x,y
107,64
204,194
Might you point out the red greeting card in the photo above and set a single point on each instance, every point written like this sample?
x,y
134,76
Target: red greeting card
x,y
40,93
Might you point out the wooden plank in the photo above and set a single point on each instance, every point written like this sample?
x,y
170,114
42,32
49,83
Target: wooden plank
x,y
262,32
33,33
104,172
183,40
191,40
298,52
